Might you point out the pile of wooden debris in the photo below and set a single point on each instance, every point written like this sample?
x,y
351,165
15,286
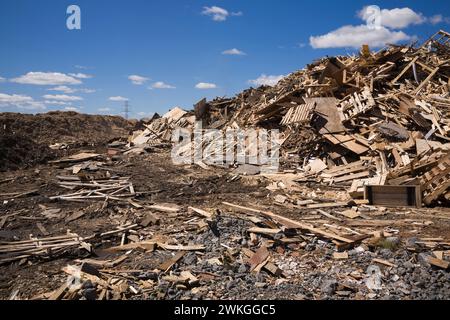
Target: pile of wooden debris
x,y
375,119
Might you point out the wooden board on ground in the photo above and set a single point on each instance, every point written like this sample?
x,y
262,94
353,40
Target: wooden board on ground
x,y
260,256
289,223
167,265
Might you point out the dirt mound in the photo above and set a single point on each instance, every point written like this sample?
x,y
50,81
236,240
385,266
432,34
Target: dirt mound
x,y
20,151
64,127
25,138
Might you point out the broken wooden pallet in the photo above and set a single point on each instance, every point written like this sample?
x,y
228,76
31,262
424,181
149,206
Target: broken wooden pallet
x,y
356,104
436,181
299,114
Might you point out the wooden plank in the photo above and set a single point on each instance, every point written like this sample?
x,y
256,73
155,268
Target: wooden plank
x,y
201,212
181,248
291,223
355,241
42,229
404,70
345,167
266,231
346,141
146,245
149,219
438,262
59,293
260,256
326,214
167,265
424,82
327,205
269,266
165,208
340,255
351,214
343,172
352,176
384,262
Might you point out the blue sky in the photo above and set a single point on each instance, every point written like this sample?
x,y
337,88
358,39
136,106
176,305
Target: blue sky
x,y
181,51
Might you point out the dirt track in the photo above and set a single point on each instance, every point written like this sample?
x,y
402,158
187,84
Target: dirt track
x,y
184,186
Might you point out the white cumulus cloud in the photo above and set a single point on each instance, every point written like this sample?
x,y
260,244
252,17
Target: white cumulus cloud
x,y
61,97
205,85
64,89
7,99
87,90
217,13
355,36
397,18
266,80
20,101
161,85
81,75
234,52
67,89
118,98
382,27
438,18
137,80
57,103
46,78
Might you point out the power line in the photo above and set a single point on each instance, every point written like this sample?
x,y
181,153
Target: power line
x,y
126,110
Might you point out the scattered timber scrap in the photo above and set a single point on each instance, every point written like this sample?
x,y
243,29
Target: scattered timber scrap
x,y
112,189
52,246
80,157
17,250
289,223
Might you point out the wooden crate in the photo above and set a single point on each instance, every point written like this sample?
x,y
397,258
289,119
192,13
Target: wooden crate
x,y
394,196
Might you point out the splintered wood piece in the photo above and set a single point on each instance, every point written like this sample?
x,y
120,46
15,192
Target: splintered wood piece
x,y
340,255
165,208
168,264
59,293
149,219
75,216
260,256
265,231
181,248
438,262
42,229
146,245
269,266
201,212
3,221
326,214
327,205
384,262
439,254
351,214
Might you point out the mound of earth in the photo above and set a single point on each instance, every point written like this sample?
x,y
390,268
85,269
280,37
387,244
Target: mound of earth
x,y
18,151
25,138
64,127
